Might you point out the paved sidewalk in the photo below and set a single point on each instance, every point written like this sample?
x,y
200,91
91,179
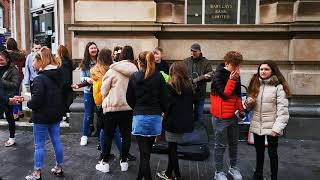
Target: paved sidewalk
x,y
298,160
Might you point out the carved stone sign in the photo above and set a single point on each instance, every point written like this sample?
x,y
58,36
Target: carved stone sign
x,y
221,11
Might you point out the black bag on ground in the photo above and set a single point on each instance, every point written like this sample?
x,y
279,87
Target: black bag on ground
x,y
194,146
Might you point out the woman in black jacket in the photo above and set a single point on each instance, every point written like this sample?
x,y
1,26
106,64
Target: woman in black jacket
x,y
146,95
47,110
66,70
179,116
10,81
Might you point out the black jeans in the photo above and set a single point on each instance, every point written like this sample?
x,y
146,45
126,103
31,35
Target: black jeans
x,y
145,147
12,124
273,155
173,161
111,121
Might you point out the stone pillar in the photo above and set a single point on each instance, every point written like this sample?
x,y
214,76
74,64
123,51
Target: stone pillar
x,y
67,19
170,11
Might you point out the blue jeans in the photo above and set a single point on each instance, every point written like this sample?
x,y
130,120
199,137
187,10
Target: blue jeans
x,y
117,139
226,134
88,113
198,109
40,133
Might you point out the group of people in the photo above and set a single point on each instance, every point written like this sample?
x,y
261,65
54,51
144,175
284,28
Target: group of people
x,y
144,97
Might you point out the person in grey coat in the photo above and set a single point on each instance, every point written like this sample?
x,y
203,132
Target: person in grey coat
x,y
267,96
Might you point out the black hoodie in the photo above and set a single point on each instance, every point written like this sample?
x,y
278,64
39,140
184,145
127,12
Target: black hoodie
x,y
147,96
220,80
46,101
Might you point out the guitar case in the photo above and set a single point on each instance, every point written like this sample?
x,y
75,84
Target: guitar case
x,y
194,146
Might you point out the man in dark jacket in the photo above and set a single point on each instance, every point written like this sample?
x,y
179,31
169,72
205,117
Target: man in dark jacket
x,y
200,72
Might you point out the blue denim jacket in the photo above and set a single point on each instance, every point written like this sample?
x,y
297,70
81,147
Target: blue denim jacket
x,y
84,75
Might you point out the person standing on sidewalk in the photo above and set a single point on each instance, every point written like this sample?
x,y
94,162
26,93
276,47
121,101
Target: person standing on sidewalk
x,y
9,77
47,105
116,109
89,60
29,72
225,101
179,117
199,71
66,69
267,96
147,96
161,65
18,58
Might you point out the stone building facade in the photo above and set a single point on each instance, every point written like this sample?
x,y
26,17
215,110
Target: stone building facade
x,y
286,31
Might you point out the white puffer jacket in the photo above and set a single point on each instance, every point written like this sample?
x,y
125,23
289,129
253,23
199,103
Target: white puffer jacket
x,y
270,112
114,86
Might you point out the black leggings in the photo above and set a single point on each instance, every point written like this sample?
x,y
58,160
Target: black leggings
x,y
272,151
173,161
145,147
12,124
111,121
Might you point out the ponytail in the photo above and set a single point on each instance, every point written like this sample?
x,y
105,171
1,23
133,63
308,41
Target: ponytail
x,y
150,65
146,58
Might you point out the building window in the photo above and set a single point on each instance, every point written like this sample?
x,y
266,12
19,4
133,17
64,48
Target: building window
x,y
43,27
221,11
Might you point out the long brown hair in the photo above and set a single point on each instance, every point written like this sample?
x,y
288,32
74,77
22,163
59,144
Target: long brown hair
x,y
179,79
63,53
12,44
104,57
254,86
146,59
46,58
84,64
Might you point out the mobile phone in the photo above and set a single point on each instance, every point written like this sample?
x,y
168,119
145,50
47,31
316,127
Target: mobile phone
x,y
240,116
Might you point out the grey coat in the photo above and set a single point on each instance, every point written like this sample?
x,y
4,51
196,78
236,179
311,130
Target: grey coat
x,y
10,80
270,112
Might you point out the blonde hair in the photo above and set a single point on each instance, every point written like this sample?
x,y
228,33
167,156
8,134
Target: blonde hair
x,y
46,58
146,58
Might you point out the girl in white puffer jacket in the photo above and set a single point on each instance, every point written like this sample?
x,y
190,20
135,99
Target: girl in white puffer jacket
x,y
267,96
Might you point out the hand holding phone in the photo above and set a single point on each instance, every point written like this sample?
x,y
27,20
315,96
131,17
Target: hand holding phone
x,y
240,116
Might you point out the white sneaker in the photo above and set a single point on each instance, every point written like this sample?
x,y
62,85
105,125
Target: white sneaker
x,y
235,173
10,142
103,167
124,166
220,176
84,140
